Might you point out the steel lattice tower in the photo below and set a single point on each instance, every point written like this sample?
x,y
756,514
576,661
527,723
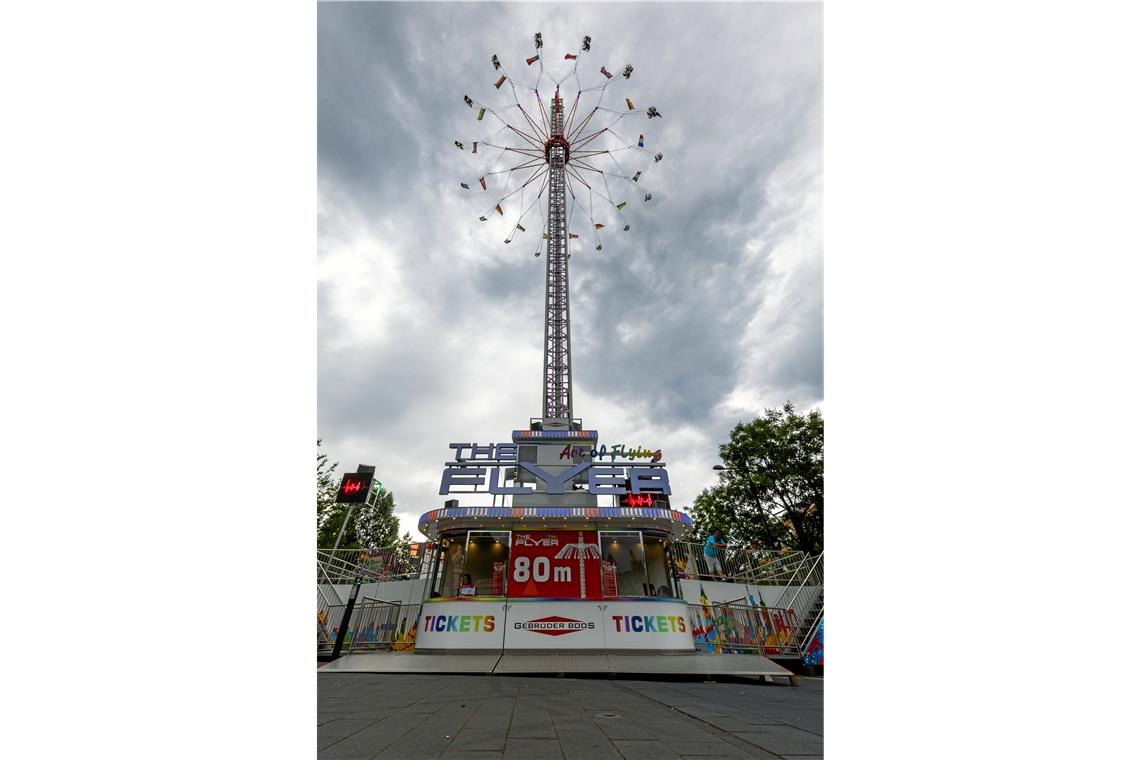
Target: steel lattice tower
x,y
557,397
577,144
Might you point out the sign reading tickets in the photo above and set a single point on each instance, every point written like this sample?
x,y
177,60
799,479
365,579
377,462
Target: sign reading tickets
x,y
461,625
555,564
662,624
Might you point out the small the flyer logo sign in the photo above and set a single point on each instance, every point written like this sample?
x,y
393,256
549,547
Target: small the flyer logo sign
x,y
554,625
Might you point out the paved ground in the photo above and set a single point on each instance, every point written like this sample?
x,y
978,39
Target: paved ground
x,y
411,716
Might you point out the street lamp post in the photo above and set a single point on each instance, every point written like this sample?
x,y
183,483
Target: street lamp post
x,y
755,497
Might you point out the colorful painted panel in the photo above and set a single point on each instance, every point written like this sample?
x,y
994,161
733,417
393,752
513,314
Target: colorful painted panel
x,y
814,654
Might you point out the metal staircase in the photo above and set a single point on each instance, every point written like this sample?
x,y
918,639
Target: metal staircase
x,y
803,597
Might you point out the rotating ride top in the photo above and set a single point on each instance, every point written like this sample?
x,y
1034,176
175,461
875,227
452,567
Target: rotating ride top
x,y
574,138
600,576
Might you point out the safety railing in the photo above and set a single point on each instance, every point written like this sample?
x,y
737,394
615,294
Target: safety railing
x,y
727,628
809,574
736,563
387,564
779,569
377,625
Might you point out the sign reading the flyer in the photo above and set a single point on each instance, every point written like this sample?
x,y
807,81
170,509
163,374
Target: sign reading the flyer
x,y
555,564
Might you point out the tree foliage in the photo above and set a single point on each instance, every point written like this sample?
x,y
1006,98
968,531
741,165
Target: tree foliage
x,y
371,526
327,487
771,493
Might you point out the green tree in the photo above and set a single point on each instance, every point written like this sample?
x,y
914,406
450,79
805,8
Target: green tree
x,y
327,486
404,554
376,524
771,492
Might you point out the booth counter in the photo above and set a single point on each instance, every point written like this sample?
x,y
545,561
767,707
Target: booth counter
x,y
489,623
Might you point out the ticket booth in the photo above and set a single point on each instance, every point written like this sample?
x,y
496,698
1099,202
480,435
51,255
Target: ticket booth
x,y
604,581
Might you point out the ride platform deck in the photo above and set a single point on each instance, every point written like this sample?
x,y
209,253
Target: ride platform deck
x,y
519,663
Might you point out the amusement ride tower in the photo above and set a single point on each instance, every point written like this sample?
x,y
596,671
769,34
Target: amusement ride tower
x,y
573,528
557,392
568,156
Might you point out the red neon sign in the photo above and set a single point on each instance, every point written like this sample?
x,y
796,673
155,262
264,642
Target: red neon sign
x,y
637,500
353,488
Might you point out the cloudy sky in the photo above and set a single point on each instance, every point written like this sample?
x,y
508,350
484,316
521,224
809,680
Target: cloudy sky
x,y
708,311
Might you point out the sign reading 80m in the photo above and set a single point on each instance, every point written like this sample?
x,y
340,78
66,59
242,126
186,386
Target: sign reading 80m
x,y
539,571
557,564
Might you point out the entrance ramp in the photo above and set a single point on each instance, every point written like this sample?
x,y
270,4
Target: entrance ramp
x,y
519,663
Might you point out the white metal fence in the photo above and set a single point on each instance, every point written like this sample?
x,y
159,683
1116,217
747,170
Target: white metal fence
x,y
377,625
330,609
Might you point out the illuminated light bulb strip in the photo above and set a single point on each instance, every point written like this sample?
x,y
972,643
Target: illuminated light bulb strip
x,y
532,434
589,513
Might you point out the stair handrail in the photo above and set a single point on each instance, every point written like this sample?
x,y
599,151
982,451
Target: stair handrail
x,y
338,602
809,634
739,561
807,578
328,582
779,565
768,561
797,578
385,555
328,608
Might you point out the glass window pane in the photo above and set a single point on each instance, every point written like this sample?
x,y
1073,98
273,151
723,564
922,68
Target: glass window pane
x,y
623,564
487,556
656,566
448,583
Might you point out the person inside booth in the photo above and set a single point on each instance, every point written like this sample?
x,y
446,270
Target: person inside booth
x,y
466,587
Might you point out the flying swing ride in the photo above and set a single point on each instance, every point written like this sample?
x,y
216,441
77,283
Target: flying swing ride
x,y
570,144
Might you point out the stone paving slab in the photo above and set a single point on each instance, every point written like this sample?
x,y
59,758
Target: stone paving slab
x,y
707,749
414,715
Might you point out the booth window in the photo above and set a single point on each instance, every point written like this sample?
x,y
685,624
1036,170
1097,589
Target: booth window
x,y
487,555
657,567
452,571
623,563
